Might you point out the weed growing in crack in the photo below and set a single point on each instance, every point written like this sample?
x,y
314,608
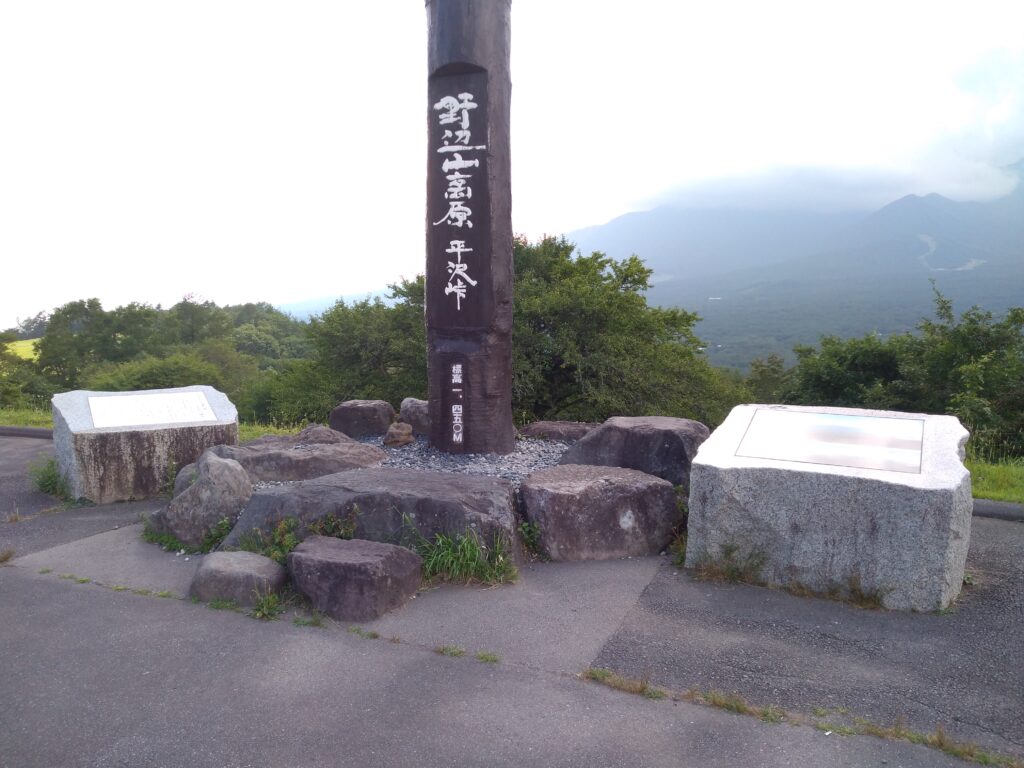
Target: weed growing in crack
x,y
452,651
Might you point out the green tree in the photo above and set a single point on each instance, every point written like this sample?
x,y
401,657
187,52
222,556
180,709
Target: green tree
x,y
587,346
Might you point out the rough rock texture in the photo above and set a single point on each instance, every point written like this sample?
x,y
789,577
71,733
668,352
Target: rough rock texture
x,y
596,513
362,418
564,431
237,576
381,499
354,580
399,434
118,463
221,489
415,413
901,535
658,445
313,452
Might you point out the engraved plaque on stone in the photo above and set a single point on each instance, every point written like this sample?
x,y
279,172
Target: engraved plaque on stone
x,y
863,442
150,409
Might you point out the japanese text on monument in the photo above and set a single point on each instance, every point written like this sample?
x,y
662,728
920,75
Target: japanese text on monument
x,y
459,167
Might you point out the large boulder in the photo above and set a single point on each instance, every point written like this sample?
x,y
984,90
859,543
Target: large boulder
x,y
362,418
585,512
562,431
241,577
313,452
415,413
658,445
837,501
388,504
354,580
220,490
118,446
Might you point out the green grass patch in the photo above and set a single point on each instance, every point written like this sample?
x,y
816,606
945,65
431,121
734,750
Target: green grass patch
x,y
463,558
47,478
26,417
23,348
143,592
999,481
252,431
487,657
83,580
220,604
46,570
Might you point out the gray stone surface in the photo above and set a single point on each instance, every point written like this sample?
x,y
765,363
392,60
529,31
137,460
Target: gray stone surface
x,y
597,513
301,457
362,418
120,463
565,431
901,535
382,500
221,489
658,445
414,412
241,577
399,434
354,580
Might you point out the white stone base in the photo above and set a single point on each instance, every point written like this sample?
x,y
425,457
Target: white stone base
x,y
901,533
126,461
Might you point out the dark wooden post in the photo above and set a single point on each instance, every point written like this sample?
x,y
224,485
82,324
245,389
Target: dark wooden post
x,y
469,227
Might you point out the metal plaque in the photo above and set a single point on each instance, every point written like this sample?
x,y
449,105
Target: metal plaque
x,y
862,442
147,410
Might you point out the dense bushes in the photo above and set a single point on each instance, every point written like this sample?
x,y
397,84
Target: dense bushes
x,y
971,367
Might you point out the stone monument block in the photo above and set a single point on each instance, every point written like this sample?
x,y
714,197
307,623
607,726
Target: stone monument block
x,y
116,446
837,500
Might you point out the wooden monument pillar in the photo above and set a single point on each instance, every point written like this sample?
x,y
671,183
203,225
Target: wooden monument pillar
x,y
469,227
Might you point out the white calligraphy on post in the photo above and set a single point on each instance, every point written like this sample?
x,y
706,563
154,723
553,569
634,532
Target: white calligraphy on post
x,y
458,166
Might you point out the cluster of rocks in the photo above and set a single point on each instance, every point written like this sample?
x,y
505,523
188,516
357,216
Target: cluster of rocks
x,y
601,491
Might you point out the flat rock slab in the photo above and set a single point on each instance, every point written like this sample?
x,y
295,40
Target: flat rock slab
x,y
658,445
385,503
837,500
119,446
118,557
298,458
240,577
354,580
563,431
362,418
584,512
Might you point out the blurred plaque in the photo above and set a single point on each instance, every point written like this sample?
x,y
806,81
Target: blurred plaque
x,y
862,442
147,410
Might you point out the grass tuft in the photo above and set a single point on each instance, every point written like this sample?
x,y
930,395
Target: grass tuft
x,y
463,558
47,478
639,686
5,555
267,607
46,570
315,619
453,651
486,657
730,567
220,604
366,634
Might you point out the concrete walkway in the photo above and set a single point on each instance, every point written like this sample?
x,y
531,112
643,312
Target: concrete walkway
x,y
99,671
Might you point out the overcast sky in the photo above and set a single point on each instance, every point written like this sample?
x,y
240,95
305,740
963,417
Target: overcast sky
x,y
248,150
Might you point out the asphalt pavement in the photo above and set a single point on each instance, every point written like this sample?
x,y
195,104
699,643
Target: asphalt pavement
x,y
98,670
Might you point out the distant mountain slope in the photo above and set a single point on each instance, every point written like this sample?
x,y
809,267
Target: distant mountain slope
x,y
765,281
